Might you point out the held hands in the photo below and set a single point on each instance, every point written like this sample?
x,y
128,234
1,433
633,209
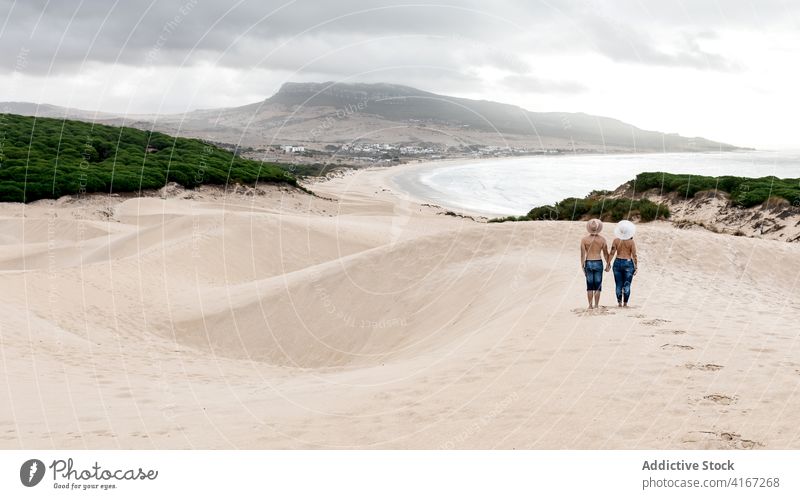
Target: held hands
x,y
608,267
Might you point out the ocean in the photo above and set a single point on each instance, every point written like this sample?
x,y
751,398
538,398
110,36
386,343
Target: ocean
x,y
512,186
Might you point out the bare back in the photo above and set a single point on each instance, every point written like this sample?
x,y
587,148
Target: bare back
x,y
625,250
594,245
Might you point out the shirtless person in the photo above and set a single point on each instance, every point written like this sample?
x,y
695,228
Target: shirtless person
x,y
593,249
627,261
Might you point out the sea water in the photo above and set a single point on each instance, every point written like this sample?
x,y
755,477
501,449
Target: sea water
x,y
512,186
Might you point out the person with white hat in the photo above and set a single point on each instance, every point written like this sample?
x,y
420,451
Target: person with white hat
x,y
593,248
626,262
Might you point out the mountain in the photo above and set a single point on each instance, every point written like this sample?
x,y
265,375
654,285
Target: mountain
x,y
318,114
51,111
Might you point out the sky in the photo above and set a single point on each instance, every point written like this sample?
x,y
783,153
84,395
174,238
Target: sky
x,y
726,70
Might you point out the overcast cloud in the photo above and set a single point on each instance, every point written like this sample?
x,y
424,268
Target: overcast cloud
x,y
673,66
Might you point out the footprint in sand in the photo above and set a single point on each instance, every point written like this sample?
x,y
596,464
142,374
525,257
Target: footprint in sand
x,y
666,346
720,440
655,322
596,311
703,367
718,398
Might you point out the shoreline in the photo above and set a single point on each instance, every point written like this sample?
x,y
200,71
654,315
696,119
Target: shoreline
x,y
405,179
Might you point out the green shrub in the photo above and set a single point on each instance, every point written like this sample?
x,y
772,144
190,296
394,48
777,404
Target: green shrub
x,y
602,207
10,193
743,191
649,210
49,158
508,219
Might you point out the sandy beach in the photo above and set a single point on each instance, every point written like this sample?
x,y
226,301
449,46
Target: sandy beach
x,y
361,319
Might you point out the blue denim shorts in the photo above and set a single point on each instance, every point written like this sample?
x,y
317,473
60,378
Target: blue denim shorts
x,y
594,275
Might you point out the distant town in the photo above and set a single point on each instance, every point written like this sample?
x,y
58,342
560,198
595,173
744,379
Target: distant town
x,y
361,154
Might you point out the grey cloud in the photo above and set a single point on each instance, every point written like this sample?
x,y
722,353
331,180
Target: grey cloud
x,y
532,84
718,14
63,34
58,36
345,55
625,43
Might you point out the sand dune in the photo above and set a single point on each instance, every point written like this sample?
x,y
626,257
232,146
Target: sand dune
x,y
279,320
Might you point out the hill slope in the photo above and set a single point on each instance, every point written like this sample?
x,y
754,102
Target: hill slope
x,y
398,103
337,113
48,158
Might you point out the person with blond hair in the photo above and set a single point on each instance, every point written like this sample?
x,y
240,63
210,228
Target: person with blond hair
x,y
593,249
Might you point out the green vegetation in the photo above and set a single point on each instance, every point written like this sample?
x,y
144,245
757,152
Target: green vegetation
x,y
511,218
743,191
599,206
309,170
603,207
43,158
595,205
